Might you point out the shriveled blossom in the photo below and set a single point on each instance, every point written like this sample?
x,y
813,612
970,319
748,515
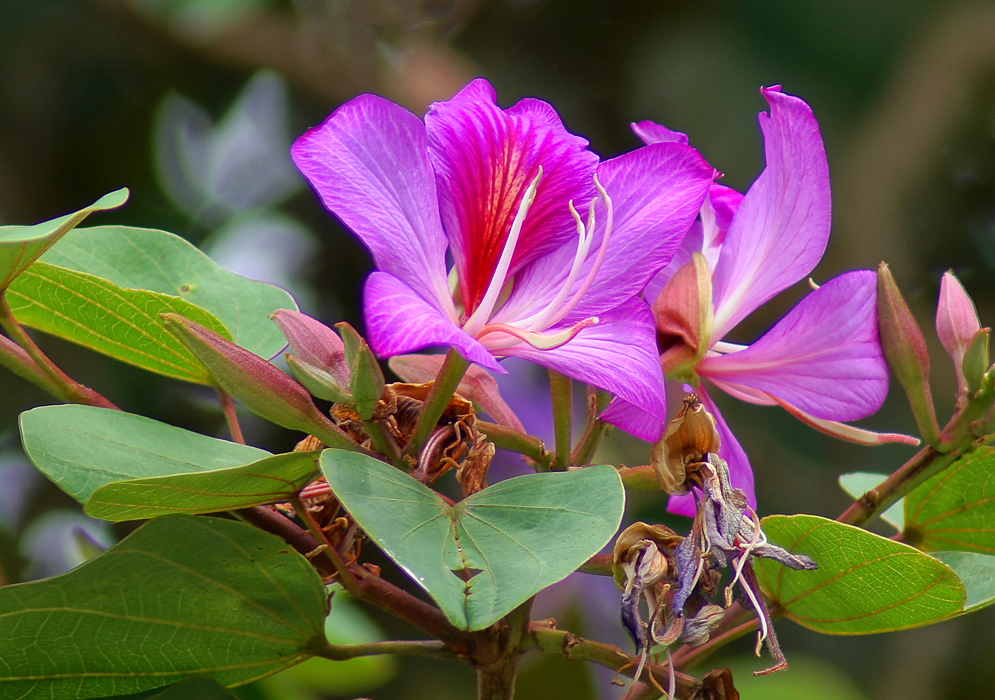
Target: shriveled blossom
x,y
823,361
550,247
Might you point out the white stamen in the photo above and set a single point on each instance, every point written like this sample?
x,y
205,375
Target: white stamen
x,y
724,347
556,310
483,312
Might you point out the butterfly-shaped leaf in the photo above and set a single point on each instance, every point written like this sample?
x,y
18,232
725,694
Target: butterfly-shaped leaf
x,y
489,553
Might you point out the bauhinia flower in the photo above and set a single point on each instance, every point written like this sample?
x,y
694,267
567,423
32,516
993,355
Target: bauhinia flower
x,y
823,361
550,247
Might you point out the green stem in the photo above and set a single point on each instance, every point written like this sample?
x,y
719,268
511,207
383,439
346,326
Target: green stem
x,y
510,439
430,648
563,414
57,382
595,430
641,478
576,648
438,398
384,443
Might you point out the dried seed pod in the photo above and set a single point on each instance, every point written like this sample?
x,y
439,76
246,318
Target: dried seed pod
x,y
688,440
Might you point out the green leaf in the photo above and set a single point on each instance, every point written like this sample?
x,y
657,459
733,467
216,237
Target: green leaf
x,y
319,678
857,484
21,245
140,258
269,480
81,448
180,597
512,539
122,323
192,689
864,584
955,510
977,572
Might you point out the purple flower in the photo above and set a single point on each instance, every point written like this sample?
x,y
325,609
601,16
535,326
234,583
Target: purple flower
x,y
550,247
823,361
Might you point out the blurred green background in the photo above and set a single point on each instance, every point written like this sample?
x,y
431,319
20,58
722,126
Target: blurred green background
x,y
193,104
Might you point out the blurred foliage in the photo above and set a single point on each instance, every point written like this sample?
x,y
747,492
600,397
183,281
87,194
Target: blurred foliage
x,y
166,97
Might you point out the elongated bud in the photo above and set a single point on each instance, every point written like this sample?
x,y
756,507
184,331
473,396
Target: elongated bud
x,y
261,386
366,383
683,314
689,439
319,358
957,325
905,349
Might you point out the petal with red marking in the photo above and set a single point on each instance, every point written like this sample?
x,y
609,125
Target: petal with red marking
x,y
485,158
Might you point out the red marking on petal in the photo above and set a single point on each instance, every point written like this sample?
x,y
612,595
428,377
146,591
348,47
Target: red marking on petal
x,y
485,158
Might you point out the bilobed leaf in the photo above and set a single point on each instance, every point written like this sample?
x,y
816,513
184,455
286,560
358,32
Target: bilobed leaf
x,y
98,314
858,483
955,510
269,480
21,245
180,597
977,572
864,584
81,448
511,540
140,258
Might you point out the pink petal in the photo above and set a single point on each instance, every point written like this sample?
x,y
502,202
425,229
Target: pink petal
x,y
781,228
398,321
725,202
824,357
651,132
618,355
485,158
656,193
369,163
740,472
633,420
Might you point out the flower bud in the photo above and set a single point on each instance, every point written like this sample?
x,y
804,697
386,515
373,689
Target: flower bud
x,y
319,354
689,439
367,382
905,349
250,379
957,324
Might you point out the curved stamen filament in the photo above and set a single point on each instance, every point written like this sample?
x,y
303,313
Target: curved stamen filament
x,y
483,312
540,341
556,310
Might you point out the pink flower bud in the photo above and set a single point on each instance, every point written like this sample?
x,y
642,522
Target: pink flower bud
x,y
956,323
